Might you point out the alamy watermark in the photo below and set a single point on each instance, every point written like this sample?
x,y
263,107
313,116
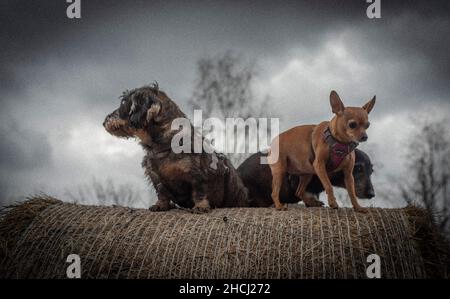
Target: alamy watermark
x,y
73,11
74,269
373,11
234,135
374,268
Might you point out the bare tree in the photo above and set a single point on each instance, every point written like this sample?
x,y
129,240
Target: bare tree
x,y
429,170
224,88
106,193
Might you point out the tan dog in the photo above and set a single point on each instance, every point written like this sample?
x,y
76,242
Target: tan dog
x,y
321,149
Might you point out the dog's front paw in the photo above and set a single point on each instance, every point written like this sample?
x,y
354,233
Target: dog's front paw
x,y
201,210
158,208
281,207
361,210
333,204
202,206
311,201
162,205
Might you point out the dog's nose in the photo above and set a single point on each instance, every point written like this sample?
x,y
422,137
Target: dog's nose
x,y
106,120
364,137
370,193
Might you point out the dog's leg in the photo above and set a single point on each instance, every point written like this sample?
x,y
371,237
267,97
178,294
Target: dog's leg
x,y
278,169
164,199
164,196
301,188
350,186
321,171
277,181
201,203
302,184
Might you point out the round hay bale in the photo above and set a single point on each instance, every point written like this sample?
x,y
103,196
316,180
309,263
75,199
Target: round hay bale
x,y
115,242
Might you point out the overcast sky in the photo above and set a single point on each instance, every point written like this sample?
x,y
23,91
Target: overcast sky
x,y
60,77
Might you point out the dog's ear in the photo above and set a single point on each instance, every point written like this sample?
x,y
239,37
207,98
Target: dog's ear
x,y
336,104
154,111
140,103
369,105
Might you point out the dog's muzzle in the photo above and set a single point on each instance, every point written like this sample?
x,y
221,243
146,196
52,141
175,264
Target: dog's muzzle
x,y
364,138
110,118
116,126
370,194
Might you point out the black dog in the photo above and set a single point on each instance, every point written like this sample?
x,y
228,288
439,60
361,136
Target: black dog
x,y
192,180
257,178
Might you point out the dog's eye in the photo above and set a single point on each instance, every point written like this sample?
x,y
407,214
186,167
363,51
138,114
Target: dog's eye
x,y
123,102
367,125
352,125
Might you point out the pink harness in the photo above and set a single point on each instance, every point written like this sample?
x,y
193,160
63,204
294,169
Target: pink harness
x,y
338,150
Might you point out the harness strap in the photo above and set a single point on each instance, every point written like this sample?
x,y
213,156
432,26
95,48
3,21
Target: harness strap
x,y
338,150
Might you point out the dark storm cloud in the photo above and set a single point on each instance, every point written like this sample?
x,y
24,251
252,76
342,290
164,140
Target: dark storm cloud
x,y
419,39
24,152
114,31
23,149
124,44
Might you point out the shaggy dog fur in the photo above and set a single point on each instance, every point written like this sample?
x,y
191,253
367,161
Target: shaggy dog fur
x,y
257,178
191,180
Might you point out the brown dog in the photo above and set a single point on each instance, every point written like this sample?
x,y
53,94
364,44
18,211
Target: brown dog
x,y
199,181
322,149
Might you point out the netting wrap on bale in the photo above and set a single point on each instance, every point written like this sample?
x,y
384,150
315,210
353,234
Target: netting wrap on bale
x,y
114,242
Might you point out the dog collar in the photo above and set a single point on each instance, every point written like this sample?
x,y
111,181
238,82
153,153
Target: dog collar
x,y
157,154
338,150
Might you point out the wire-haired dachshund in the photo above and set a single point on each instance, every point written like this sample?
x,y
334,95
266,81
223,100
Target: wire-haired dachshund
x,y
186,179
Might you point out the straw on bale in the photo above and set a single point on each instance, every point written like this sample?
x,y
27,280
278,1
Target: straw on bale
x,y
115,242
